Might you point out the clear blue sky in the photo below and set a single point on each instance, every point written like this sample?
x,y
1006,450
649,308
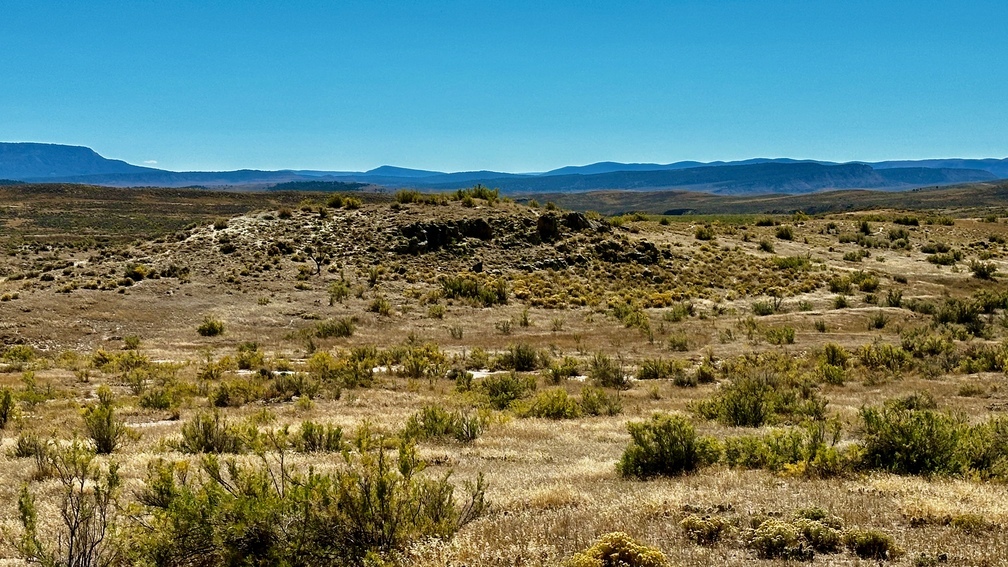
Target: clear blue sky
x,y
512,86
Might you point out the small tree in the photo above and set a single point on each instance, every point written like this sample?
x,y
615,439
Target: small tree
x,y
87,511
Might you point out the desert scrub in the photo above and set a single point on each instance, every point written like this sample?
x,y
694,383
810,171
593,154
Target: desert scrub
x,y
211,433
373,506
705,232
910,436
102,426
7,406
435,422
210,327
872,544
666,445
808,451
522,357
780,335
883,356
339,290
596,401
617,549
705,530
342,327
603,371
758,398
554,403
249,356
477,289
318,438
777,539
502,390
88,510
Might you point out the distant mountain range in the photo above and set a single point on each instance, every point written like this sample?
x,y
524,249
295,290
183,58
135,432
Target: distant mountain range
x,y
32,162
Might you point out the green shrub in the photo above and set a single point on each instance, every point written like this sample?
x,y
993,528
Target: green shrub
x,y
374,506
654,369
605,372
780,335
211,433
19,354
784,233
665,445
435,422
777,539
595,401
481,192
839,285
705,232
481,291
210,327
755,399
810,451
835,355
986,449
566,368
704,530
796,263
249,356
553,404
961,312
7,406
617,549
101,424
504,389
159,398
521,357
879,356
872,544
764,308
820,536
878,320
868,283
319,438
381,306
339,290
900,437
342,327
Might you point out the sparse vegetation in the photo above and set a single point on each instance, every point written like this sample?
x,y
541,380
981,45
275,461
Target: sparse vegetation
x,y
728,360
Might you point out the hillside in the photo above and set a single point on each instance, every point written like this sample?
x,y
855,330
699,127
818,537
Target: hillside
x,y
30,161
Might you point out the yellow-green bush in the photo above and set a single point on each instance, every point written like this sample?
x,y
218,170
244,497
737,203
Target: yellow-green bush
x,y
618,549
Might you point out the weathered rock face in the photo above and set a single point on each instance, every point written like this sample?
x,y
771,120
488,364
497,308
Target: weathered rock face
x,y
577,221
433,235
622,252
548,227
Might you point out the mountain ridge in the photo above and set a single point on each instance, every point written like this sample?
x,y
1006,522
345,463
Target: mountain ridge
x,y
37,162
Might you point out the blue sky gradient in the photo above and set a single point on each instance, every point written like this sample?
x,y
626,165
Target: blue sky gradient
x,y
516,86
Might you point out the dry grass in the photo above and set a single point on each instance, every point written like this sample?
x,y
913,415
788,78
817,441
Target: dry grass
x,y
553,484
